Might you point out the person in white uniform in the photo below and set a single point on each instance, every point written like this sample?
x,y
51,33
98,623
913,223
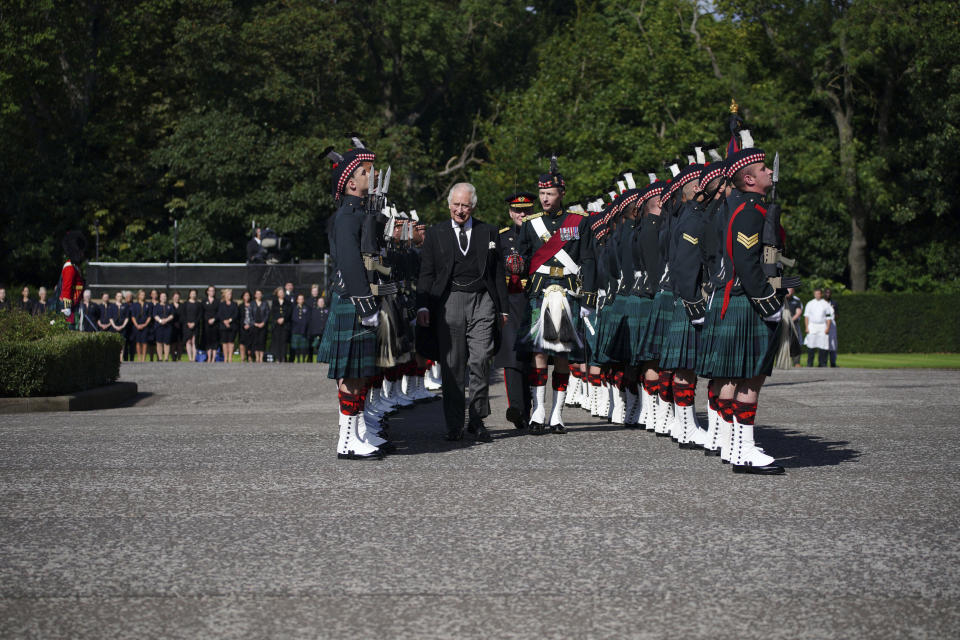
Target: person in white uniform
x,y
817,317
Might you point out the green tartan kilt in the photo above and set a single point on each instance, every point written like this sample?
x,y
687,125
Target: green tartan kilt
x,y
524,344
661,314
347,346
298,342
682,342
641,310
742,345
705,353
590,339
625,329
606,326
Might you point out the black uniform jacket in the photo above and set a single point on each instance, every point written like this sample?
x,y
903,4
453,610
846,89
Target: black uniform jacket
x,y
648,256
686,264
350,277
436,267
530,242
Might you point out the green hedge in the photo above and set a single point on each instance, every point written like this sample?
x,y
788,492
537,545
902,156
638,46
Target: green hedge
x,y
898,323
38,358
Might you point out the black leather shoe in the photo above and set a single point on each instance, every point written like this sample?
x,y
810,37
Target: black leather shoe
x,y
482,435
558,429
388,447
471,428
690,445
515,416
711,452
661,435
769,470
537,428
455,436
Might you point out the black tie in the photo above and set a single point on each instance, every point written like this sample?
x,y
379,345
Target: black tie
x,y
463,239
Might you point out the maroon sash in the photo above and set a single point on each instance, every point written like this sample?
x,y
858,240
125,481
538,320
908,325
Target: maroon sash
x,y
556,242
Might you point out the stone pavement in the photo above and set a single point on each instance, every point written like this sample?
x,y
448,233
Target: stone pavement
x,y
212,505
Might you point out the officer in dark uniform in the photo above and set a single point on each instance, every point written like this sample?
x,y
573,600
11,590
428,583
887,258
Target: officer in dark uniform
x,y
744,342
349,343
550,245
516,367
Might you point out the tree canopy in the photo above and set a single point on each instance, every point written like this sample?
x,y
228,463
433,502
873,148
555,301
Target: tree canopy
x,y
128,116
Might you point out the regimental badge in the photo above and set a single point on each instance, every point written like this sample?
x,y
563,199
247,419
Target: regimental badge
x,y
545,237
569,233
689,238
747,241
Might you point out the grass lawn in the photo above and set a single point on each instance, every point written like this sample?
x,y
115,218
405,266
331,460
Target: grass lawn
x,y
898,360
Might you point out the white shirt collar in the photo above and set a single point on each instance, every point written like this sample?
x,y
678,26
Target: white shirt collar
x,y
467,226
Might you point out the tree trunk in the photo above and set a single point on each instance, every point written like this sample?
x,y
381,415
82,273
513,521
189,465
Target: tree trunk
x,y
857,254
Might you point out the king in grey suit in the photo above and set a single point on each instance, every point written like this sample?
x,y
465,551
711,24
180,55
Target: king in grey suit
x,y
462,295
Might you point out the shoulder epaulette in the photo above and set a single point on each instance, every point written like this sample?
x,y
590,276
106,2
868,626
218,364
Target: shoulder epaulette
x,y
505,229
532,216
585,214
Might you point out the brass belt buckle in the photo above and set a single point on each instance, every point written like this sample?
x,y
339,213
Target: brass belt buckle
x,y
556,272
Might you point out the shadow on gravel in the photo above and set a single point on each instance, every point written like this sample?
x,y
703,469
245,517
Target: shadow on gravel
x,y
420,429
795,382
794,449
142,399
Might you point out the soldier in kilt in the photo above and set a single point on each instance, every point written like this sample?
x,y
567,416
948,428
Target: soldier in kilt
x,y
550,245
349,343
743,341
682,343
593,279
621,325
649,260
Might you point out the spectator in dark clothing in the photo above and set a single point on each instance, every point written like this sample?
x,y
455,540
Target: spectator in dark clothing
x,y
261,317
4,303
245,319
141,315
26,304
299,324
227,314
103,322
89,314
280,312
318,322
211,337
40,306
314,295
163,326
176,328
255,252
191,323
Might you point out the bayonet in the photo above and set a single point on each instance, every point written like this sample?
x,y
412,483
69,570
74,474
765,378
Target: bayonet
x,y
776,176
386,182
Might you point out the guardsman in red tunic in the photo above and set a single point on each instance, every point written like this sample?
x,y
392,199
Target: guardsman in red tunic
x,y
71,280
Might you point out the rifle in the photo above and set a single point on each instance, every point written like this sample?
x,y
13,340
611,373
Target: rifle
x,y
773,259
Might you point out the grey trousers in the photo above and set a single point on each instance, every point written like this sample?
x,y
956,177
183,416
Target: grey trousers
x,y
465,333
